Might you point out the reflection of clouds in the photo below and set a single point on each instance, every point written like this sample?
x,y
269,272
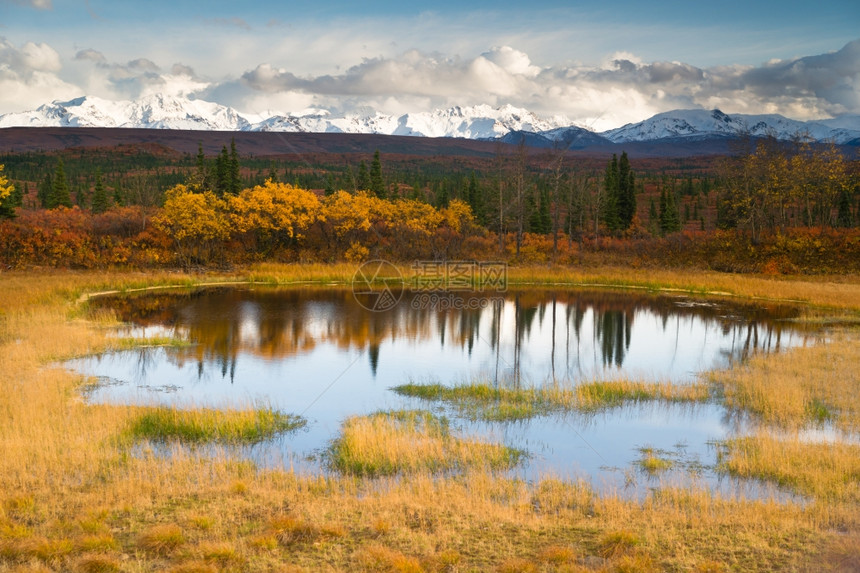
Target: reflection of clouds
x,y
532,336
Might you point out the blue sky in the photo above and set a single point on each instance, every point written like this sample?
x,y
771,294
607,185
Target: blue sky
x,y
601,64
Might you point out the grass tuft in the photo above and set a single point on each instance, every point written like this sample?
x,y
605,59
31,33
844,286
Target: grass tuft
x,y
162,424
411,441
289,531
161,539
652,462
97,564
616,543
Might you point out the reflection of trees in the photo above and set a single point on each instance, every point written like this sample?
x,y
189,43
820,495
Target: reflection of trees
x,y
274,324
613,328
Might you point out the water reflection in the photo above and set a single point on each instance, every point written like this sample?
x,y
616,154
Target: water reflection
x,y
528,336
318,353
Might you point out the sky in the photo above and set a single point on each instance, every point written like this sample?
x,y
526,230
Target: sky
x,y
599,63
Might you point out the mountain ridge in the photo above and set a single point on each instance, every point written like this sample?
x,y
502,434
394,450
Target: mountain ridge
x,y
507,123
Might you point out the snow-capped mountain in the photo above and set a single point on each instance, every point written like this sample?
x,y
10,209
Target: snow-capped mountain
x,y
168,112
507,123
154,111
698,123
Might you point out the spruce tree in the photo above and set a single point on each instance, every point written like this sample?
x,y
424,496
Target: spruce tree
x,y
100,199
670,221
60,196
200,178
234,184
43,192
222,172
377,184
653,218
118,195
610,202
330,186
363,181
625,193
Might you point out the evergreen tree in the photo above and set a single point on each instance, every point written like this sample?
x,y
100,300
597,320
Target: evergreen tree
x,y
82,197
670,221
540,220
100,199
273,173
60,196
43,192
118,195
653,218
200,177
222,172
625,193
234,184
18,194
610,202
330,186
377,184
363,181
443,197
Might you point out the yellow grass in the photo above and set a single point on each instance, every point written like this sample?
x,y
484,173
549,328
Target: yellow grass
x,y
73,499
814,384
828,471
411,441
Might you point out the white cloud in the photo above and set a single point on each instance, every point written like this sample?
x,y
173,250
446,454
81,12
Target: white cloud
x,y
513,61
619,89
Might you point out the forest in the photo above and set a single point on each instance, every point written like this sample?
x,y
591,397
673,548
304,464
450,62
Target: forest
x,y
772,206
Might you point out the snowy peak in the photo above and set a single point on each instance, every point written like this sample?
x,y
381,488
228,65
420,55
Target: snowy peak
x,y
170,112
509,123
475,122
699,123
155,111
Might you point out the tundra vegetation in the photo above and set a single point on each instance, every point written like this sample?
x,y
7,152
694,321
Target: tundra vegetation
x,y
88,487
111,487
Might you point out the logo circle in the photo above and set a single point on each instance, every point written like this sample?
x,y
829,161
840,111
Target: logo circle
x,y
377,285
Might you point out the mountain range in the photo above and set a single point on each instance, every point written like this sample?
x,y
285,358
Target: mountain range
x,y
481,122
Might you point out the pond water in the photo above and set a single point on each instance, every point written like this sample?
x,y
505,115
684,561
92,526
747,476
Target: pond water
x,y
321,354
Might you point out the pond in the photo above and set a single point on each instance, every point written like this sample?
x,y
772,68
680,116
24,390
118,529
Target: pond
x,y
320,353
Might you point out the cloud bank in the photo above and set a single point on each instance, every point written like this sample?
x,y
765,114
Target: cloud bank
x,y
621,89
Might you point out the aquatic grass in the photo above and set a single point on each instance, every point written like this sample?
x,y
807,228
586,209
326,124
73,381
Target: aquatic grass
x,y
410,441
809,385
151,342
654,461
485,401
199,425
829,471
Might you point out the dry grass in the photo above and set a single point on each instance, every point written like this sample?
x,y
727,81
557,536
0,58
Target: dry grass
x,y
73,499
814,384
411,441
828,471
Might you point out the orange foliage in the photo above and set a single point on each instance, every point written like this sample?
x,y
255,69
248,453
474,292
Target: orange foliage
x,y
282,222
